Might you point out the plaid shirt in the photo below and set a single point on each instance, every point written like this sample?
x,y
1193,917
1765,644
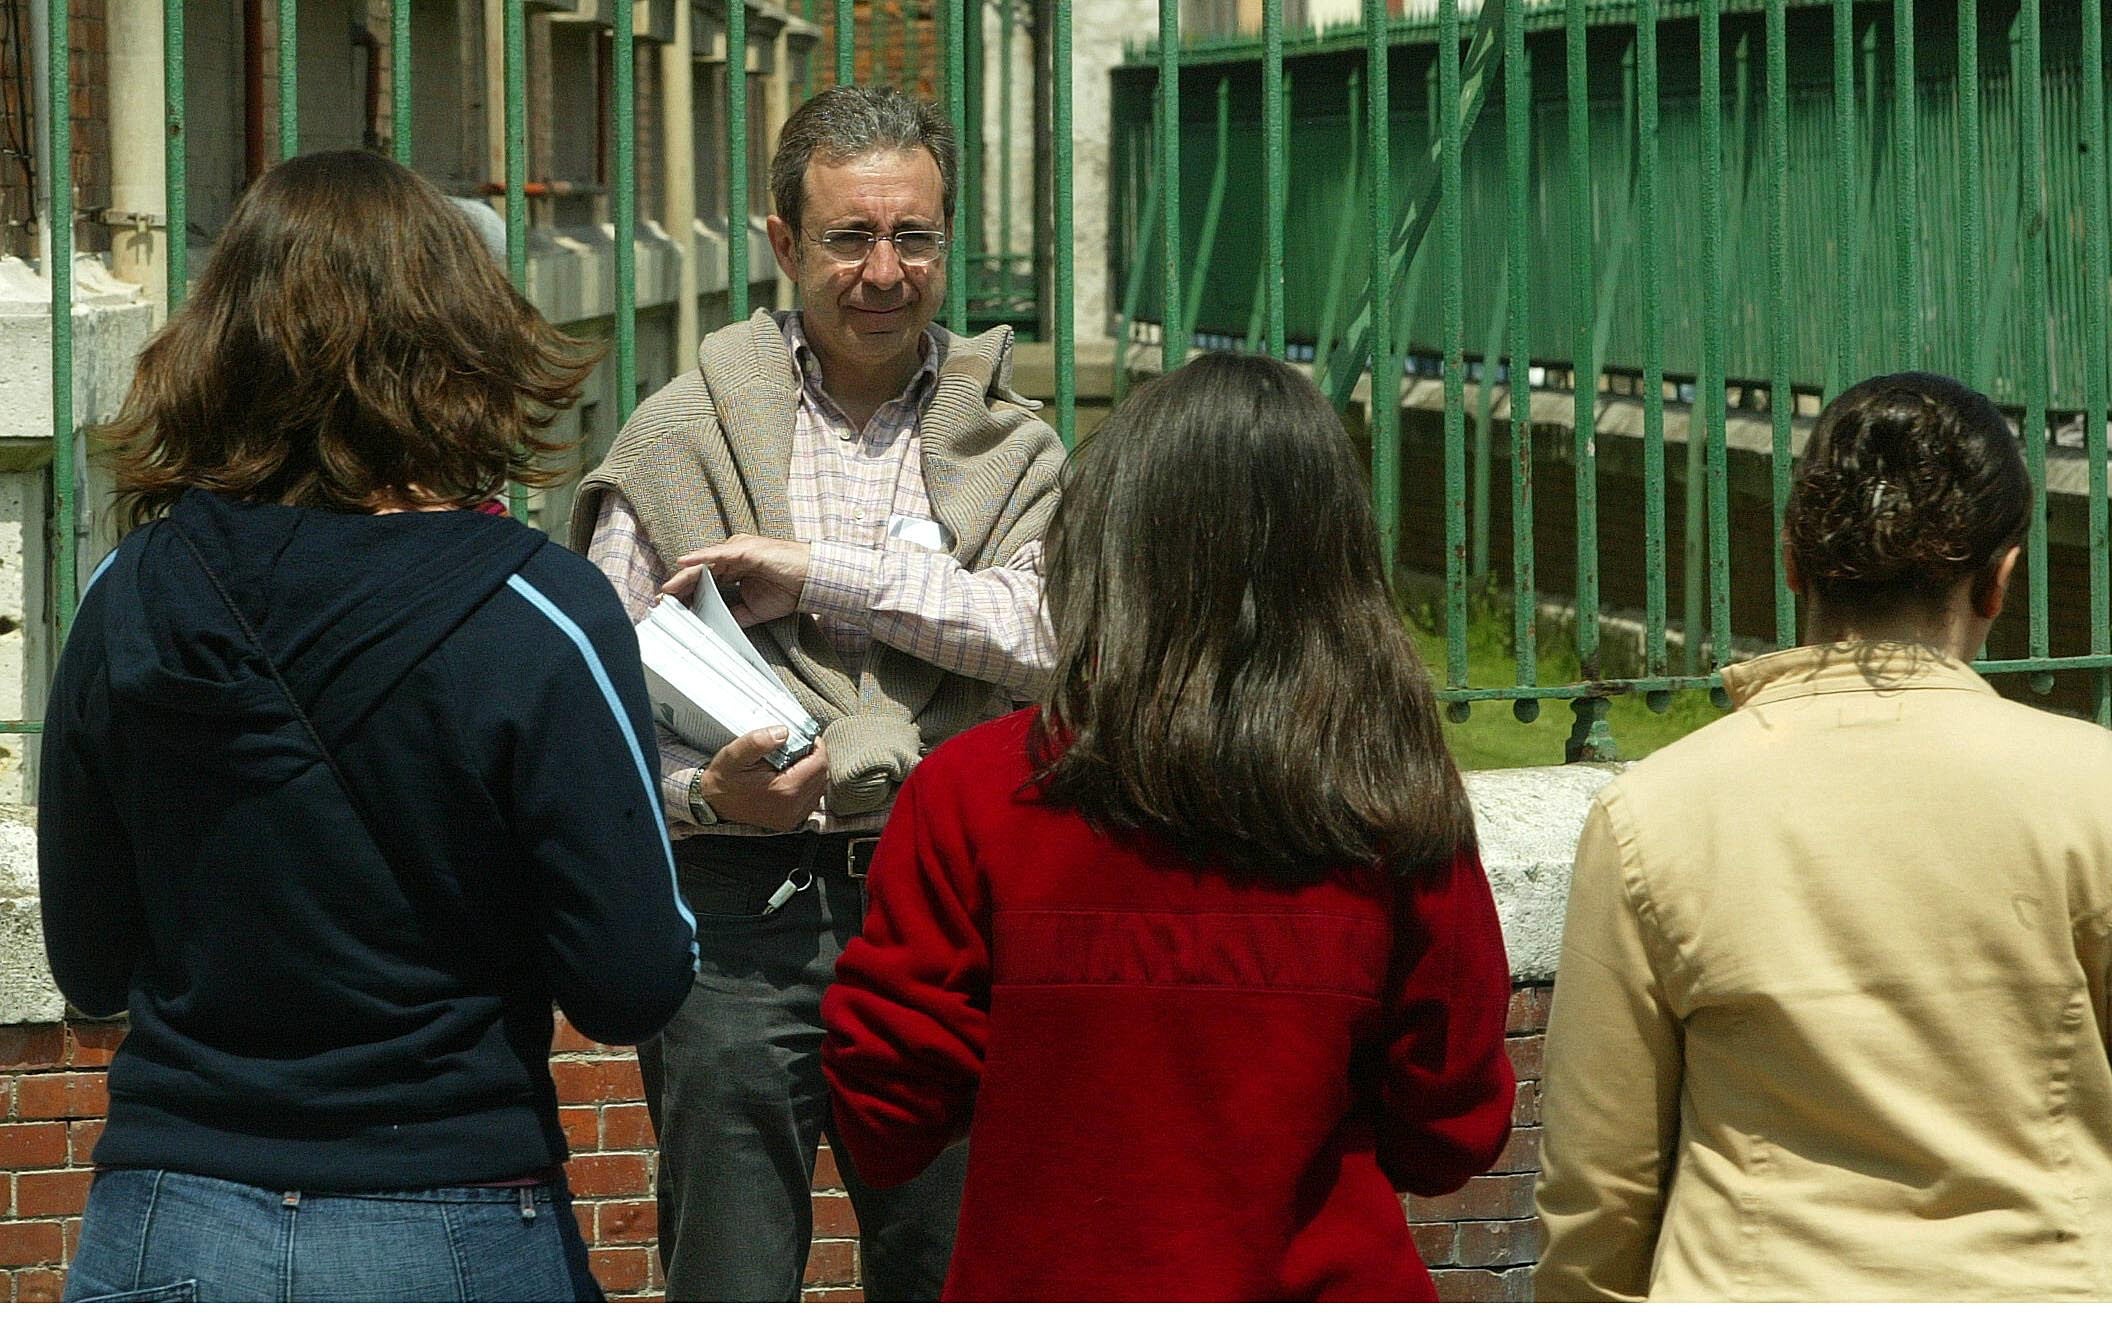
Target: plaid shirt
x,y
845,488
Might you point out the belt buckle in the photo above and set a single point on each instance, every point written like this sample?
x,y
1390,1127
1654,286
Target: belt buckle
x,y
858,855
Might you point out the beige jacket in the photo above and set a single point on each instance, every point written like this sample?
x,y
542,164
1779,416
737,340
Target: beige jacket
x,y
1830,1021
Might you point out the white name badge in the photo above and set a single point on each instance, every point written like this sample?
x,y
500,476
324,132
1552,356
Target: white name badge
x,y
926,533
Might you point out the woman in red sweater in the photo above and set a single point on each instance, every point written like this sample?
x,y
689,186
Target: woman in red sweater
x,y
1200,955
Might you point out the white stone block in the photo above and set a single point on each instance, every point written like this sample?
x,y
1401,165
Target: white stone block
x,y
1529,821
27,994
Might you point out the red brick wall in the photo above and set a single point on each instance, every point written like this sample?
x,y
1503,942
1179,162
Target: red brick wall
x,y
1480,1241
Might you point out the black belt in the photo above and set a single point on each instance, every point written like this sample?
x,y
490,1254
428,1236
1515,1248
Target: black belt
x,y
829,854
851,854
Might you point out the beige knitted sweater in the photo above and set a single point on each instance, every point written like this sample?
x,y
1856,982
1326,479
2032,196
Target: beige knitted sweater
x,y
709,456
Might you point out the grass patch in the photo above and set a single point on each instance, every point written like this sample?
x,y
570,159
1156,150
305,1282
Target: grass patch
x,y
1493,738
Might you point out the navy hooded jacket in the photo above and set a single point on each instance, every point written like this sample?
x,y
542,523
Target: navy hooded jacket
x,y
322,1001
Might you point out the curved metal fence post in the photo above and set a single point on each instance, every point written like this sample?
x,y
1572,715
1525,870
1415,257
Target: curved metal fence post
x,y
1214,207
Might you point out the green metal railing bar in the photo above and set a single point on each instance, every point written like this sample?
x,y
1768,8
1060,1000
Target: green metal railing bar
x,y
1712,297
1591,738
1845,201
1907,282
876,32
737,159
846,52
1351,348
287,54
1004,154
400,81
623,94
2097,269
514,40
58,267
912,54
1451,284
1174,346
957,115
1651,275
1385,414
175,165
1066,316
1972,225
1275,111
1517,127
1577,690
1781,394
2031,145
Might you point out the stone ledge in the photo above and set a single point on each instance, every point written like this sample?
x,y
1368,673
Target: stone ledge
x,y
1529,821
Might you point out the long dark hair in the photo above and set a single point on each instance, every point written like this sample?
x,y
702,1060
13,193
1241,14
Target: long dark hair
x,y
351,340
1910,484
1232,675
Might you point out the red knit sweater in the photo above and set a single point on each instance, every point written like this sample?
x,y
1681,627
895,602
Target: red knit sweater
x,y
1176,1084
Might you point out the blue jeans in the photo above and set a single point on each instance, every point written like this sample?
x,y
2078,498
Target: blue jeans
x,y
159,1237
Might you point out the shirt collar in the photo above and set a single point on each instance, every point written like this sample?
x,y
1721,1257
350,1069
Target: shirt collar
x,y
808,365
1876,666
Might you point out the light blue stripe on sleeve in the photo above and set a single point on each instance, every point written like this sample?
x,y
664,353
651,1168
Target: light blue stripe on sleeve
x,y
630,736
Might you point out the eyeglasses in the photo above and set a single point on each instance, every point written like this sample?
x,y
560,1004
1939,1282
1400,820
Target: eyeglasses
x,y
851,245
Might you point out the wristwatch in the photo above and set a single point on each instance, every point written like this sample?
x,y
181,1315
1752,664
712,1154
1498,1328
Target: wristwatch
x,y
700,812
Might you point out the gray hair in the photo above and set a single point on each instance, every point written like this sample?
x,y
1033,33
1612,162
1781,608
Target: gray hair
x,y
849,121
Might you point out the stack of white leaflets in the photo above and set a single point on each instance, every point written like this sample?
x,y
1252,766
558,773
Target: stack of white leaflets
x,y
709,685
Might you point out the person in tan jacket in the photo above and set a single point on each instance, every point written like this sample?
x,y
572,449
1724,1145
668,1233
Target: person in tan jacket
x,y
1831,1015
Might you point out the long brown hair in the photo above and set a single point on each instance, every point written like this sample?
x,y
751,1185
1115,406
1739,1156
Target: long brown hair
x,y
350,342
1232,675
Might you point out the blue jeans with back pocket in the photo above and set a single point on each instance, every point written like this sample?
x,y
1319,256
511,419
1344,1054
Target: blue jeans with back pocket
x,y
152,1236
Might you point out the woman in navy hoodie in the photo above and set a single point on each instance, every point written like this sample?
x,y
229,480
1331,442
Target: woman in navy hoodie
x,y
346,780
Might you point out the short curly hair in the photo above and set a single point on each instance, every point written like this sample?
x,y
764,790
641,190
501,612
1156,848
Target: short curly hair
x,y
1910,484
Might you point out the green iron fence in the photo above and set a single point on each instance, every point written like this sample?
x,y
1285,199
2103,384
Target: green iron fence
x,y
1612,225
1894,199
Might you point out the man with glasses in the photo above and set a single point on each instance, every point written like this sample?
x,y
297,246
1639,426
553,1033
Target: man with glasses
x,y
870,493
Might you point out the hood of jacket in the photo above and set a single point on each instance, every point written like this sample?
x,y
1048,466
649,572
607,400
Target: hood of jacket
x,y
219,597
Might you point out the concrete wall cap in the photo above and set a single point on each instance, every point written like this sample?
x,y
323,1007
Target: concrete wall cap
x,y
1528,819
